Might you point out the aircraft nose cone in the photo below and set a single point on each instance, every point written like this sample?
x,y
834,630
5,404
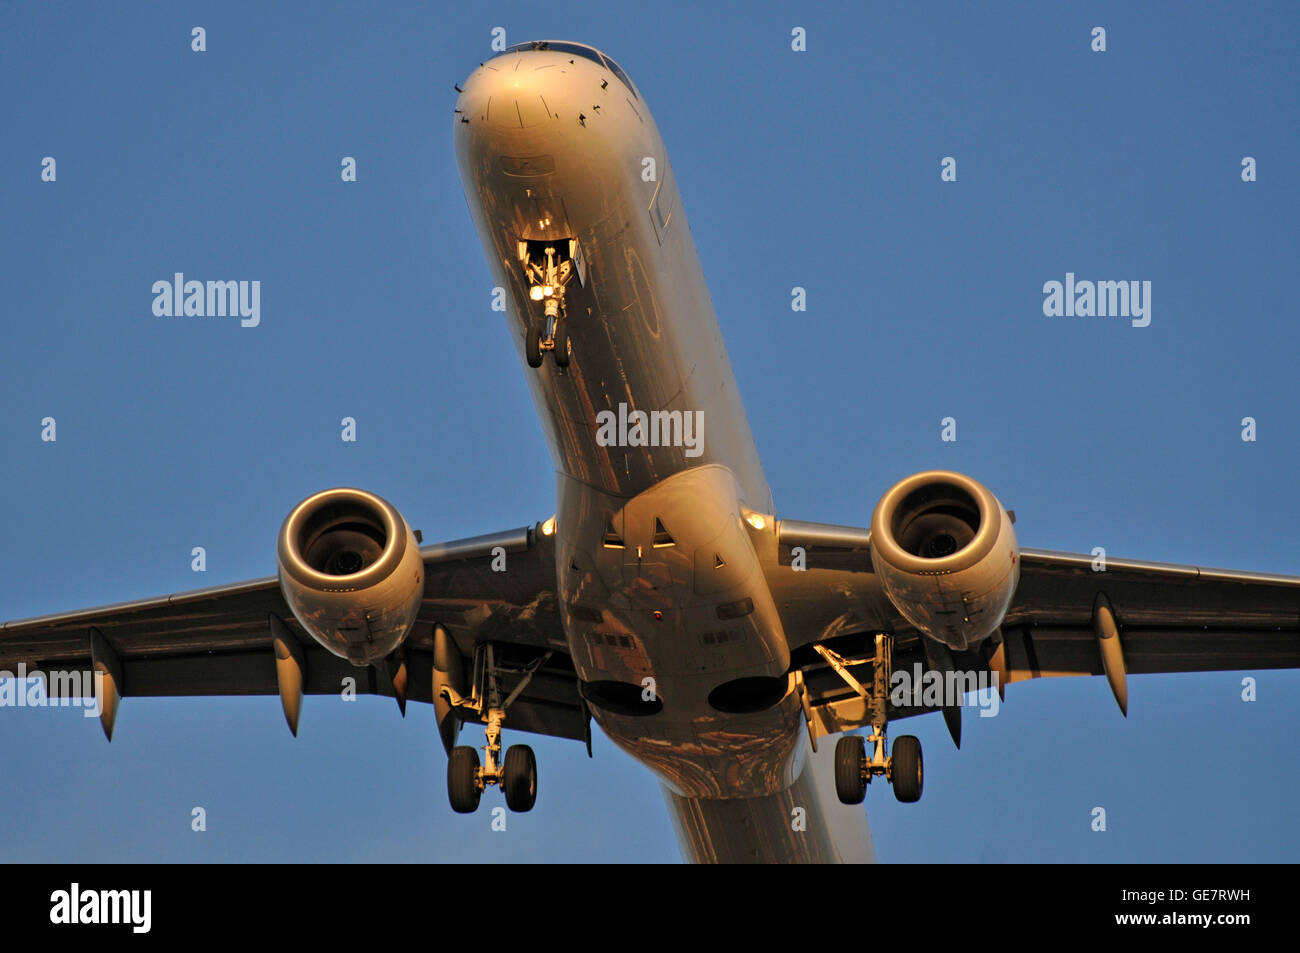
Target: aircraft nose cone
x,y
512,95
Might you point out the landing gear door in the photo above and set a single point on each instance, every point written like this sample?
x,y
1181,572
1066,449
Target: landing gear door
x,y
579,262
663,204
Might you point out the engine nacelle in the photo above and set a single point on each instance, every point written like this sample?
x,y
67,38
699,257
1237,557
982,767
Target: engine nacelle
x,y
944,549
351,572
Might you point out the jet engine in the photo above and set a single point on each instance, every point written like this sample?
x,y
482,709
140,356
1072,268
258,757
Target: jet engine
x,y
351,572
945,552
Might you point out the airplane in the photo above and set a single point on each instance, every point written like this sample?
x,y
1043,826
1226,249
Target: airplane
x,y
721,645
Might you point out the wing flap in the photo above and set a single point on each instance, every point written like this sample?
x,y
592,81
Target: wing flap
x,y
498,588
1171,618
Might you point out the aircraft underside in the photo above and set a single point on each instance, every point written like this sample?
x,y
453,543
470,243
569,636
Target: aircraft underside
x,y
734,653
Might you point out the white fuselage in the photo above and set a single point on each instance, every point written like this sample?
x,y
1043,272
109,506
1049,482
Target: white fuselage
x,y
661,553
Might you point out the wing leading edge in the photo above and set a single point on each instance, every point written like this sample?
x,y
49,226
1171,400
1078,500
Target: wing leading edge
x,y
498,588
1072,614
1170,618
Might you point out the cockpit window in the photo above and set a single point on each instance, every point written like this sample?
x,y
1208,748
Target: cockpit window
x,y
556,46
614,68
576,49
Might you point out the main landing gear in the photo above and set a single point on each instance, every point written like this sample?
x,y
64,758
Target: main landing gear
x,y
853,768
467,778
548,270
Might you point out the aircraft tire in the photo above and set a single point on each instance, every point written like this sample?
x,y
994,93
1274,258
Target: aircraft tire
x,y
907,768
520,778
850,785
563,350
533,347
462,781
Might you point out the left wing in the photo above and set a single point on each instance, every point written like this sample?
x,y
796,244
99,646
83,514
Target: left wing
x,y
218,641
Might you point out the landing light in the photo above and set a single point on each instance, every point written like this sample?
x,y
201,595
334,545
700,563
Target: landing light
x,y
755,520
536,292
548,528
548,291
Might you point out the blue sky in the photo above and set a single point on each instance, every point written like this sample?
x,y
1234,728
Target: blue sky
x,y
817,169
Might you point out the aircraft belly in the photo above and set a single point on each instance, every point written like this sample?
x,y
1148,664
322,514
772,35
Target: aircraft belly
x,y
802,823
673,623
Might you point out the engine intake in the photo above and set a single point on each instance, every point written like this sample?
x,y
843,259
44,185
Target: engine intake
x,y
351,572
945,552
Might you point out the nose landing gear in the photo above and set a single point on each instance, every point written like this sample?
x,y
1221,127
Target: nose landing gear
x,y
556,340
549,270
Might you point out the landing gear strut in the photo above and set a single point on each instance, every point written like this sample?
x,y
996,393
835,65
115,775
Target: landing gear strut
x,y
548,271
467,778
853,768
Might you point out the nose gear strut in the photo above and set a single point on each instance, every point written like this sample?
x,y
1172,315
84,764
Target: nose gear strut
x,y
549,269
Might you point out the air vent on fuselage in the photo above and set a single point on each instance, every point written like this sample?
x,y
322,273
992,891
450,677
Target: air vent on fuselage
x,y
612,539
735,610
621,698
745,696
585,613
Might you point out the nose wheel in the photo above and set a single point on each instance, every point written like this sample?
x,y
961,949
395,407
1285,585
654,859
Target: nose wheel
x,y
557,344
854,769
533,346
561,348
